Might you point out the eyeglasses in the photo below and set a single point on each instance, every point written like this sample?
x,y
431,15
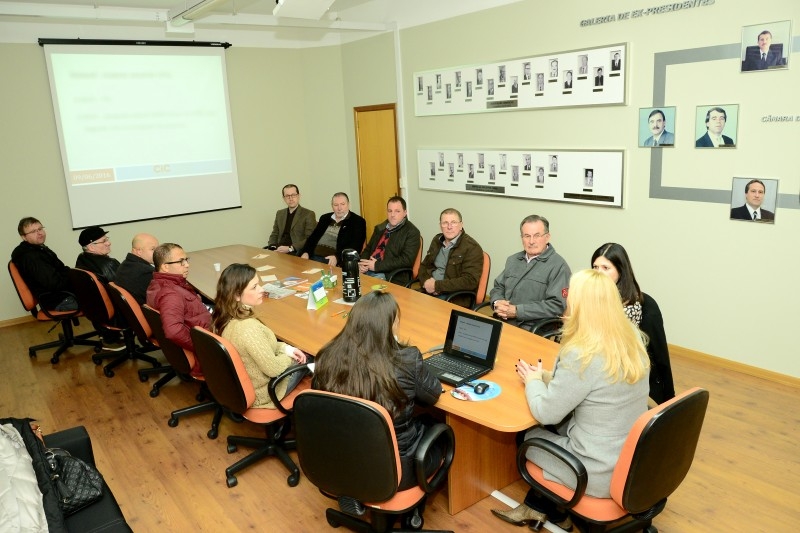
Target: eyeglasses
x,y
183,262
290,196
37,230
534,237
449,224
104,240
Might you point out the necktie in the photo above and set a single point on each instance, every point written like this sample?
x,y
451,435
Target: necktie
x,y
655,142
755,215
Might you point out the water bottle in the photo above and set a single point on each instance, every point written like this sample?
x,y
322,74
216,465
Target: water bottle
x,y
351,281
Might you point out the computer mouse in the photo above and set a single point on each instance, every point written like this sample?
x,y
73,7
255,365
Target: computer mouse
x,y
480,388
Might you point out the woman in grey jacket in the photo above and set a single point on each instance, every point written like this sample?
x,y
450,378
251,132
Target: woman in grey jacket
x,y
595,393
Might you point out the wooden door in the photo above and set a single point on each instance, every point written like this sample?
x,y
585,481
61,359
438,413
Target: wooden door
x,y
376,154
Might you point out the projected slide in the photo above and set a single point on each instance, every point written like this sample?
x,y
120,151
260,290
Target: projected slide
x,y
143,123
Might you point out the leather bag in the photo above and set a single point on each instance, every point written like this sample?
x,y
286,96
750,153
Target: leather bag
x,y
77,483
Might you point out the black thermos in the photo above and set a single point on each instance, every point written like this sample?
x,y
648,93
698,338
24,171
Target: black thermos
x,y
351,281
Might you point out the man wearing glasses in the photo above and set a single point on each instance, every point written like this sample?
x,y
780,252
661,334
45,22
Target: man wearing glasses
x,y
454,261
292,225
534,284
43,272
179,304
95,257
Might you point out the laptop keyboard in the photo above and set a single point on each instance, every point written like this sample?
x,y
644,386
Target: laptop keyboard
x,y
446,364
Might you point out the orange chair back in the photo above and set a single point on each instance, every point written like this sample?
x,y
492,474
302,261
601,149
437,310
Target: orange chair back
x,y
483,284
224,370
417,261
182,361
132,311
25,295
92,296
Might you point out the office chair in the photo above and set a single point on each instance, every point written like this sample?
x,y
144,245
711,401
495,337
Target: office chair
x,y
412,272
129,308
66,319
183,363
347,447
655,459
476,298
231,386
549,328
96,304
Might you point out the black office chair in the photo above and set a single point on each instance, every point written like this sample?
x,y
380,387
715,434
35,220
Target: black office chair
x,y
549,328
655,459
96,304
347,447
230,384
66,319
183,363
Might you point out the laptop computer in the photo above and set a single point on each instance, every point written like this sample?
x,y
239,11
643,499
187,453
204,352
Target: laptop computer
x,y
469,350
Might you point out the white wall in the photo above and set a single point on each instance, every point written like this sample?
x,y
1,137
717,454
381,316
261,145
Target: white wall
x,y
725,288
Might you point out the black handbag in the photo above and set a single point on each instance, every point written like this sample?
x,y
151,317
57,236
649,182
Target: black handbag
x,y
77,483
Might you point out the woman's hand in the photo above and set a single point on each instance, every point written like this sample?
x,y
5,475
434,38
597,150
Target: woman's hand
x,y
528,372
299,356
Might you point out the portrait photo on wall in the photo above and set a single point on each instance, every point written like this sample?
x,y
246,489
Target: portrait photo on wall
x,y
656,127
715,126
754,199
766,46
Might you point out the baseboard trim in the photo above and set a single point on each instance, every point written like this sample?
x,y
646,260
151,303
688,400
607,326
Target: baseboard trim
x,y
16,321
735,366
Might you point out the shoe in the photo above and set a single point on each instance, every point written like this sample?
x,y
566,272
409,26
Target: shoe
x,y
521,515
117,346
565,524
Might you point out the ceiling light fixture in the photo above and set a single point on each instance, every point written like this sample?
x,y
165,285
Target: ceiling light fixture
x,y
191,10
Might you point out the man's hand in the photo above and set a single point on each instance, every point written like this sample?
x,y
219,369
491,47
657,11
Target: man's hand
x,y
304,256
282,249
331,260
430,286
505,309
366,265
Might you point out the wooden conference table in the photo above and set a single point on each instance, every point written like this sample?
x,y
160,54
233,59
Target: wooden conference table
x,y
485,431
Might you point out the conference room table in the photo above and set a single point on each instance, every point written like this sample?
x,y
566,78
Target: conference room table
x,y
485,431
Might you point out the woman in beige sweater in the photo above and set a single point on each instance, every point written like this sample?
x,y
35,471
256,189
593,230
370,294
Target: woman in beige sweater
x,y
264,357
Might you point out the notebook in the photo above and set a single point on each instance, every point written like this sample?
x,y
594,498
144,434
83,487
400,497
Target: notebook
x,y
469,351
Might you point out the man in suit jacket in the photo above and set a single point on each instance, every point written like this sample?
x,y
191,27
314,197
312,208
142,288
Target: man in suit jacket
x,y
598,77
751,210
657,123
335,232
568,79
765,57
616,62
292,225
715,123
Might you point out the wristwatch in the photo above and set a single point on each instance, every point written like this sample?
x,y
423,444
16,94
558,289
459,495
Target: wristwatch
x,y
291,249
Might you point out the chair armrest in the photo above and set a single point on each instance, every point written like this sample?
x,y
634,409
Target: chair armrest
x,y
547,324
562,455
481,305
391,275
75,440
59,315
470,294
273,384
432,434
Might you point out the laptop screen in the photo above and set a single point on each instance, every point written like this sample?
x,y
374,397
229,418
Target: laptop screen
x,y
473,337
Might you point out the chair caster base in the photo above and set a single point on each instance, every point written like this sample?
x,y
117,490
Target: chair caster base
x,y
231,482
293,480
173,422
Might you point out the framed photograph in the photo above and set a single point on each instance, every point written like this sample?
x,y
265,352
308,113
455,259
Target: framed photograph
x,y
715,126
766,46
583,66
656,127
754,200
588,178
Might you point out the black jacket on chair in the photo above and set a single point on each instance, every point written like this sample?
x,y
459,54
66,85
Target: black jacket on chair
x,y
662,387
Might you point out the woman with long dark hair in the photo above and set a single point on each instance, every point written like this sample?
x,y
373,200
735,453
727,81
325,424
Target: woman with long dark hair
x,y
612,260
264,357
594,394
367,361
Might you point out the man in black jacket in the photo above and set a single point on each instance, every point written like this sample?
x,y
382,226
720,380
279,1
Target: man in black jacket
x,y
394,243
336,232
43,272
95,256
136,271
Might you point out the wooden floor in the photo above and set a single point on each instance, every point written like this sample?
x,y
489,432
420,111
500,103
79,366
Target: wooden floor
x,y
746,474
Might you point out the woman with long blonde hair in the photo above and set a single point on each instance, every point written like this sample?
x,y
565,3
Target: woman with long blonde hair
x,y
593,396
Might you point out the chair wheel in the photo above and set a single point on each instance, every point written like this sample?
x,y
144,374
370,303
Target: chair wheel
x,y
231,481
213,433
413,520
199,397
143,378
108,372
293,480
98,349
173,422
54,360
154,392
232,448
97,360
31,353
332,522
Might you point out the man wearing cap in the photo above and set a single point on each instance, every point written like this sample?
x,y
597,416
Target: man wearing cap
x,y
136,271
43,272
94,258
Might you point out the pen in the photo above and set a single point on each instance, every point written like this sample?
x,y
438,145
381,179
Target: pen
x,y
339,313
